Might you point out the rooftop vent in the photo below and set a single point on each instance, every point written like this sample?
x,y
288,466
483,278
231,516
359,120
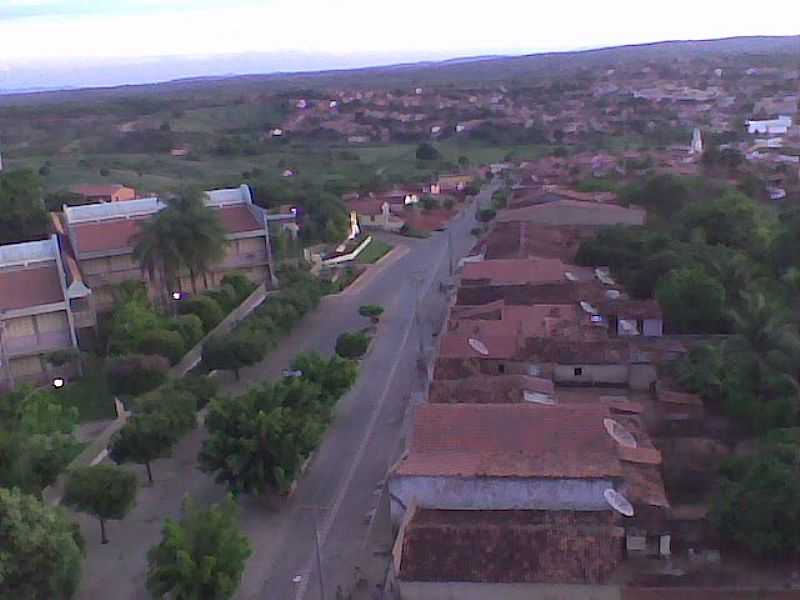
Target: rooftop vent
x,y
621,435
618,502
478,346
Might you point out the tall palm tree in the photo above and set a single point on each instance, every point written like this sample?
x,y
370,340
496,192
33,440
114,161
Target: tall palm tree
x,y
186,234
156,251
199,234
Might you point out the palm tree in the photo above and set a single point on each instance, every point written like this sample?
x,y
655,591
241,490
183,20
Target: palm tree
x,y
765,331
199,234
156,251
186,234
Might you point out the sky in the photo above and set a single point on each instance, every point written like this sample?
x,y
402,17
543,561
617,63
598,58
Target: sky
x,y
64,42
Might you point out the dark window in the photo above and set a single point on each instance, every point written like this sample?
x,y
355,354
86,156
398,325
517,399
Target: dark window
x,y
501,368
578,371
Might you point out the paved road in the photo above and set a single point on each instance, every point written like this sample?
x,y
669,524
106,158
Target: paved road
x,y
339,489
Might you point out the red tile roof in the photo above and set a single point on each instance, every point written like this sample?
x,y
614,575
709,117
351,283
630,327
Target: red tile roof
x,y
498,389
706,593
456,345
567,351
517,271
366,206
105,236
510,440
97,190
510,547
117,234
34,286
238,219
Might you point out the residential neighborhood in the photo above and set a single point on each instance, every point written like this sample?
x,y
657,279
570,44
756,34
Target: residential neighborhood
x,y
512,327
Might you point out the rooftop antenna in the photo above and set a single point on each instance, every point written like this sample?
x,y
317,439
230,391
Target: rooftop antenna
x,y
478,346
618,502
621,435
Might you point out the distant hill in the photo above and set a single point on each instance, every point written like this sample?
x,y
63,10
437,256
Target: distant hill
x,y
467,70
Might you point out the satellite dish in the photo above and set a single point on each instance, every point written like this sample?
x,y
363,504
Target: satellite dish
x,y
588,308
621,435
538,398
570,276
478,346
613,294
618,502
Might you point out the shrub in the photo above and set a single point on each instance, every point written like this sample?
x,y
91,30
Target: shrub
x,y
486,214
163,342
203,388
352,345
426,151
136,374
204,307
448,203
225,296
241,283
190,328
372,311
476,231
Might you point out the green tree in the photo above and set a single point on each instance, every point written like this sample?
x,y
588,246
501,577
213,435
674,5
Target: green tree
x,y
22,213
693,301
200,557
36,439
41,549
371,311
664,195
758,502
352,345
105,491
199,234
143,439
427,151
232,352
157,252
257,441
334,375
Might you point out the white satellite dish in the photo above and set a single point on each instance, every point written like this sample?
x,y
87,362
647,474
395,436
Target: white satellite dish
x,y
538,398
618,502
588,308
570,276
478,346
621,435
613,294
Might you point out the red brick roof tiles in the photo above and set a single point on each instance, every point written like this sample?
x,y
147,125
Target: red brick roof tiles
x,y
511,546
499,389
510,440
34,286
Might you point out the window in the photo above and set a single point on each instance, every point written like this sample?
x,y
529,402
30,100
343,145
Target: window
x,y
578,371
501,368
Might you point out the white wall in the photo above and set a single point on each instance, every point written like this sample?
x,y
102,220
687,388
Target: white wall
x,y
463,590
496,493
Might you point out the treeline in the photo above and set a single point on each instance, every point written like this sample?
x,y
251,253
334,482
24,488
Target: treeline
x,y
721,263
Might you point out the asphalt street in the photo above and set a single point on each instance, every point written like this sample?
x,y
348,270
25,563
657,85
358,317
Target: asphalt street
x,y
336,496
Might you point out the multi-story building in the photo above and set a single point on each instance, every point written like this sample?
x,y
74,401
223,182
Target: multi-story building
x,y
36,316
103,237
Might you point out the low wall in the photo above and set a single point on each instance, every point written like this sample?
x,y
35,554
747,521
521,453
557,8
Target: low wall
x,y
192,357
349,256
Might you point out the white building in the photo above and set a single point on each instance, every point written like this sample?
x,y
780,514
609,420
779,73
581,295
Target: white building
x,y
777,126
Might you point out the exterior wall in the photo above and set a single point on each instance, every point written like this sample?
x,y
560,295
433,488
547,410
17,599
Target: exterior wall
x,y
642,376
496,493
463,590
653,327
37,334
591,374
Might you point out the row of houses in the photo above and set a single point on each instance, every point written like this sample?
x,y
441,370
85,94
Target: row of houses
x,y
52,290
530,471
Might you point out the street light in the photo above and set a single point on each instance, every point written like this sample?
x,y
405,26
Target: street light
x,y
58,382
176,296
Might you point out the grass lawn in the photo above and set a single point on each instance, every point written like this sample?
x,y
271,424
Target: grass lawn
x,y
374,251
91,396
